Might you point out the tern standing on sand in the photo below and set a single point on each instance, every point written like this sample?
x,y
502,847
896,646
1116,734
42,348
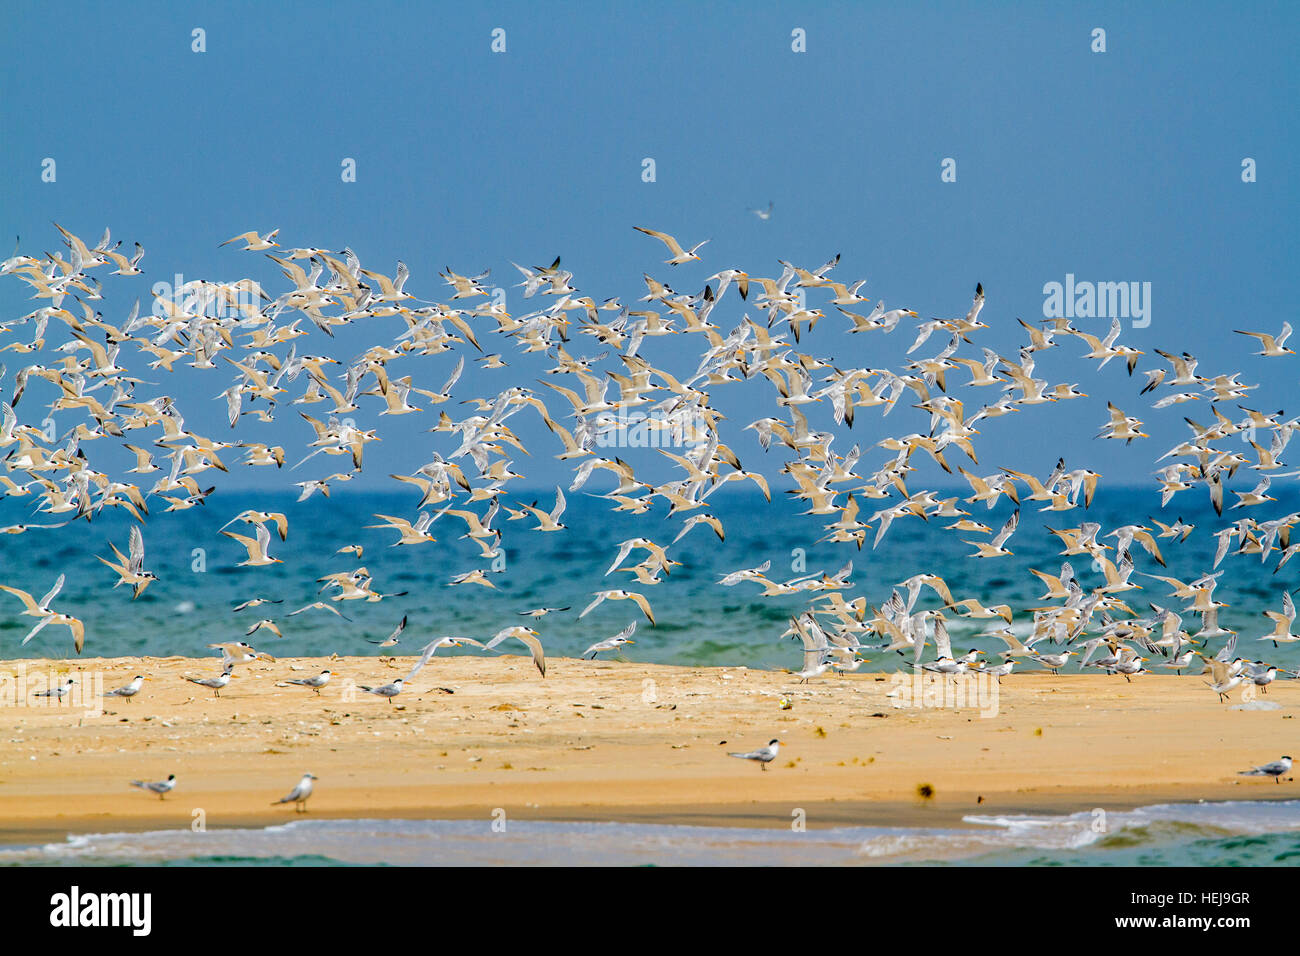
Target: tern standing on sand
x,y
1275,770
764,755
386,690
59,692
315,683
216,683
160,787
129,690
299,794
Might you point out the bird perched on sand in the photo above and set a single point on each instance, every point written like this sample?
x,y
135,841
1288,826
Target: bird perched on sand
x,y
299,794
58,692
384,690
764,755
216,683
130,689
1275,769
160,787
315,683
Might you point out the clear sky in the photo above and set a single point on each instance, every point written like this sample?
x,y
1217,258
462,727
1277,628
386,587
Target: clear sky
x,y
1123,165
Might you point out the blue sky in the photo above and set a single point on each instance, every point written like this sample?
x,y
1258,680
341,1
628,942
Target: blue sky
x,y
1115,166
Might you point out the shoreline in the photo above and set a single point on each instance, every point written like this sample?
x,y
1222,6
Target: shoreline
x,y
613,741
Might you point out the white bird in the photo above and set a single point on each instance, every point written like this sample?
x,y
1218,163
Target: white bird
x,y
763,755
299,794
130,689
385,690
526,636
1274,346
1274,769
315,683
215,683
680,255
392,639
1223,679
160,787
130,569
58,692
746,574
239,652
618,594
42,610
541,611
432,648
257,556
253,241
995,548
612,643
551,521
1053,662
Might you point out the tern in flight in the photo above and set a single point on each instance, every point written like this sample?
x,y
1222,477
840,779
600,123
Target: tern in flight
x,y
611,643
680,255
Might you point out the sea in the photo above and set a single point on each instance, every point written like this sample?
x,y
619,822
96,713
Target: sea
x,y
1258,833
697,621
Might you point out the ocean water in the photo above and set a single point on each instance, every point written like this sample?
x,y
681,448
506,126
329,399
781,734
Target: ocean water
x,y
698,622
1257,833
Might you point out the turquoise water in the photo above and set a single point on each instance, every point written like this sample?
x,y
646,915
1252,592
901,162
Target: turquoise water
x,y
699,623
1260,833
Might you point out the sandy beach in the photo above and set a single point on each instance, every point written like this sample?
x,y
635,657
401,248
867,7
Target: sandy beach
x,y
614,741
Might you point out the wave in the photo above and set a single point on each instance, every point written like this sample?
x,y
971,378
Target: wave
x,y
1204,834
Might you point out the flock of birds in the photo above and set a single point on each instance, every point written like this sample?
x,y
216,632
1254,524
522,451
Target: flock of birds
x,y
250,339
